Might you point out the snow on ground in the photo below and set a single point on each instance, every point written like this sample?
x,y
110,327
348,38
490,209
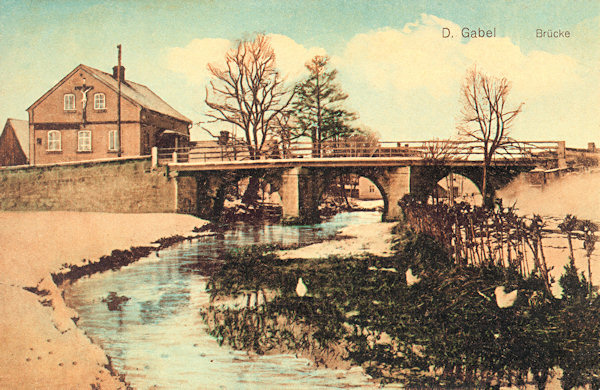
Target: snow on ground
x,y
35,244
372,238
556,252
368,203
41,346
577,194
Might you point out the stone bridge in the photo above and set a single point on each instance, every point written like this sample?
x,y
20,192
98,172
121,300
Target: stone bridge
x,y
195,180
302,180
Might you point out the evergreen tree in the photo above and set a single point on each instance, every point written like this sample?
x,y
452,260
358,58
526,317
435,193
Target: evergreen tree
x,y
317,106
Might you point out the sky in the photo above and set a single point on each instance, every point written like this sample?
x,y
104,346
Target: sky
x,y
402,76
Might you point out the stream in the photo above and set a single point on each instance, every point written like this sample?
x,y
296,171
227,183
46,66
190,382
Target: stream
x,y
158,339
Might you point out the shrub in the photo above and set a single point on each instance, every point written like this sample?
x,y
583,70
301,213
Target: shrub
x,y
445,330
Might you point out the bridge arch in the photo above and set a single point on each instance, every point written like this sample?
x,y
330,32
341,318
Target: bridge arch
x,y
373,175
305,188
301,188
424,179
211,187
455,187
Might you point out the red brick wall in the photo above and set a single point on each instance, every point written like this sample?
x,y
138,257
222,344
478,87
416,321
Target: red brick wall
x,y
69,144
51,111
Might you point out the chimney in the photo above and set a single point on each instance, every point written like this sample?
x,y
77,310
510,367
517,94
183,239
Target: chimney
x,y
115,73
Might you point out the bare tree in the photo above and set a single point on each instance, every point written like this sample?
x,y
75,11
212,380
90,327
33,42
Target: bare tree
x,y
437,151
363,143
486,117
283,128
248,92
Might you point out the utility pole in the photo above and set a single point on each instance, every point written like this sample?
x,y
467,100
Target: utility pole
x,y
119,103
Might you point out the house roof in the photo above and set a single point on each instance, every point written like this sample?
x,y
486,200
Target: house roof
x,y
137,93
21,129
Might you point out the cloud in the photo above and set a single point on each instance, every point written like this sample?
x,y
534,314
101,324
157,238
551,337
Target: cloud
x,y
405,82
192,60
412,58
291,56
533,74
418,57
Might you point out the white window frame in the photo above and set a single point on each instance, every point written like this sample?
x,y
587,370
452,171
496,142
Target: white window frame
x,y
99,101
54,141
69,102
84,141
113,141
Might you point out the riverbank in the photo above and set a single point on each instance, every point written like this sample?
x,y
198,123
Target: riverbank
x,y
356,240
42,346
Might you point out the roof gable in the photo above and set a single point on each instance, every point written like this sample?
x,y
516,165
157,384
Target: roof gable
x,y
21,129
136,93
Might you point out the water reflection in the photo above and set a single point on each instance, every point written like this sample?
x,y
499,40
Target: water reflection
x,y
158,338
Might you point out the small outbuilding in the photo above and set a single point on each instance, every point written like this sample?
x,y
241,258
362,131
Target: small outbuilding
x,y
14,143
367,190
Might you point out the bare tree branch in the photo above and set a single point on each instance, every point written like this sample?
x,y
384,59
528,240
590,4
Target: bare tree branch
x,y
484,118
248,92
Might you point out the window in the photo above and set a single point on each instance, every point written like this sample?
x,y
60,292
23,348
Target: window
x,y
113,141
84,141
99,101
371,188
54,141
70,102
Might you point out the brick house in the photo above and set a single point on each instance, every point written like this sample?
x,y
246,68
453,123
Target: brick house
x,y
14,143
77,119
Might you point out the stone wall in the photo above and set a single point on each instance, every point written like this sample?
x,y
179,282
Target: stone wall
x,y
124,186
187,193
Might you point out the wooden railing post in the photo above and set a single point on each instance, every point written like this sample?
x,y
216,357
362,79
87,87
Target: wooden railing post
x,y
561,149
175,157
562,154
154,157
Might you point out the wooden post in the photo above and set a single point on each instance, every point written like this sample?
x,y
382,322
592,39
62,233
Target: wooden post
x,y
562,154
591,147
119,102
154,157
561,149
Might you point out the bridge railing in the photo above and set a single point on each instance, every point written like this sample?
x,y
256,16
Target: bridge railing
x,y
202,154
434,150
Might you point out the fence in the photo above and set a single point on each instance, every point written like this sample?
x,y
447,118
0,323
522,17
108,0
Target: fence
x,y
435,150
478,236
